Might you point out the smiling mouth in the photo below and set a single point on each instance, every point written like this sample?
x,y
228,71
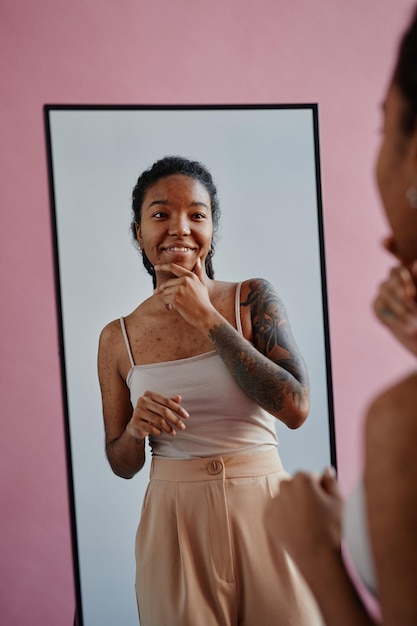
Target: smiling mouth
x,y
178,249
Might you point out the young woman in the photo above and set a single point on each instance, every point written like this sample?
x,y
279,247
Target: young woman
x,y
202,369
381,516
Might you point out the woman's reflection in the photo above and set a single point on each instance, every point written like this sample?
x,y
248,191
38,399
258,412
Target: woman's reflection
x,y
202,369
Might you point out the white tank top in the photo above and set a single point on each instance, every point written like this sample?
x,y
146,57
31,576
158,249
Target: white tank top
x,y
223,420
356,536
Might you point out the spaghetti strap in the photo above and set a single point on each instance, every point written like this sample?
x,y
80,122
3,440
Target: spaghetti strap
x,y
237,309
129,351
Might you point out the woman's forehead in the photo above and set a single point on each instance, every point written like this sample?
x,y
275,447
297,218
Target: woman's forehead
x,y
176,185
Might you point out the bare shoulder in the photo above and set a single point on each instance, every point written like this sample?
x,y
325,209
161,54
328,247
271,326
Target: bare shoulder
x,y
262,299
112,353
222,295
110,335
390,444
259,292
109,329
391,421
249,288
391,493
253,284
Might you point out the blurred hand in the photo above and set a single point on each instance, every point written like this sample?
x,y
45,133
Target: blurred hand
x,y
308,516
395,304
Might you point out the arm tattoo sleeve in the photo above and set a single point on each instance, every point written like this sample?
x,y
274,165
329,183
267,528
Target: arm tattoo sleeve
x,y
271,330
269,371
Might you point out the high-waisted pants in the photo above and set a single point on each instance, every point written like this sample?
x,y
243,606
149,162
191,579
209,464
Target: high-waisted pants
x,y
206,554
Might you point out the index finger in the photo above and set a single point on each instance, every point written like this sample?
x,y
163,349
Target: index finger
x,y
172,403
176,407
198,269
408,282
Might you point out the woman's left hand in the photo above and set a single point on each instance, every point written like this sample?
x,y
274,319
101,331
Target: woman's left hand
x,y
186,292
396,307
308,516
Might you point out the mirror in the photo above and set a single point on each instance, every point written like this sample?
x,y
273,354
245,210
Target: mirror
x,y
265,163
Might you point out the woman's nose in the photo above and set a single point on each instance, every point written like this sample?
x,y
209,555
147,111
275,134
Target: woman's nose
x,y
179,226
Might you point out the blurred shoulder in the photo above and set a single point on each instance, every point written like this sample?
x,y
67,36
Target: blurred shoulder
x,y
391,421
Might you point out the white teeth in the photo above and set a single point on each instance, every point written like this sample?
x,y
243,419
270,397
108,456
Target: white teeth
x,y
179,249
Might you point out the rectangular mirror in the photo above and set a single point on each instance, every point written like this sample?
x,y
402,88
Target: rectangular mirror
x,y
265,163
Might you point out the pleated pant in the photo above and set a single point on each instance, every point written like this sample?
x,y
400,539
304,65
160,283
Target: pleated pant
x,y
206,554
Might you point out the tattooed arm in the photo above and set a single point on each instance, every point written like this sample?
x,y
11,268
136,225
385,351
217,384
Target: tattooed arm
x,y
270,370
265,362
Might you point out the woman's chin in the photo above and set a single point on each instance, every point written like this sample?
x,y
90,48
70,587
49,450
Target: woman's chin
x,y
186,260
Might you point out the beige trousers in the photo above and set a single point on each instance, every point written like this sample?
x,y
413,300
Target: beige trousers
x,y
206,554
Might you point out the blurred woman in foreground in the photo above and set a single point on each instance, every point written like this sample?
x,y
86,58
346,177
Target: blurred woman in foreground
x,y
380,518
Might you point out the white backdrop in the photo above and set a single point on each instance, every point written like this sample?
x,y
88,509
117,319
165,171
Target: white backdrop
x,y
263,163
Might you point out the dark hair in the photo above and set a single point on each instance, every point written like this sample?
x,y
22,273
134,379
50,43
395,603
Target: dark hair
x,y
169,166
405,74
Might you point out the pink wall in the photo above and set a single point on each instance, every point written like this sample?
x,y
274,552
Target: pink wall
x,y
134,51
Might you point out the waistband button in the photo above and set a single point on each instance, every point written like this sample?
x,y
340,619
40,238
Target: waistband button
x,y
215,467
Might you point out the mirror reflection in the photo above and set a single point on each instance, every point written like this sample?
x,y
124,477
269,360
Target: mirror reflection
x,y
220,293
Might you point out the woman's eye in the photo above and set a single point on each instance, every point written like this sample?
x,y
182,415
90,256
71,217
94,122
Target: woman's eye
x,y
159,214
199,216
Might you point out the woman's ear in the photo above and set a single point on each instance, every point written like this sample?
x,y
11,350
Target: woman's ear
x,y
138,235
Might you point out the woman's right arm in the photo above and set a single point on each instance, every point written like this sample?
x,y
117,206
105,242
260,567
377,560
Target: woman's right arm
x,y
125,451
126,427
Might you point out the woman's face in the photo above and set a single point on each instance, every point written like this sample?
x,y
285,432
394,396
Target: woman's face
x,y
396,171
176,222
